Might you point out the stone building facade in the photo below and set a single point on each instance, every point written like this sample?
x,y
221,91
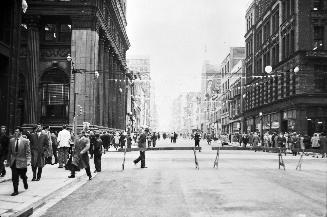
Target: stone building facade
x,y
231,75
92,85
290,36
10,22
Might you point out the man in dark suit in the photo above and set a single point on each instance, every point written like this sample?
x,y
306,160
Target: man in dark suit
x,y
19,157
4,143
39,145
142,146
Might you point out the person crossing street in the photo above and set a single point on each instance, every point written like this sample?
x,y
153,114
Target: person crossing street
x,y
142,146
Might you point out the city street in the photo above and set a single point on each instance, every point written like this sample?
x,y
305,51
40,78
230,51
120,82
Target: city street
x,y
246,183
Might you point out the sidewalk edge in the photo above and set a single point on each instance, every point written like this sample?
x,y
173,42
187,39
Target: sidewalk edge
x,y
42,201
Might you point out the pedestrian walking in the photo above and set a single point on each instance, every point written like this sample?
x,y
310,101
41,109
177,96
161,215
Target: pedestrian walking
x,y
105,137
323,144
116,140
39,143
154,139
142,145
64,138
19,158
197,138
4,144
81,158
97,152
256,140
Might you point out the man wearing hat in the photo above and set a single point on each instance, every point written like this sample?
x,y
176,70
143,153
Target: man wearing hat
x,y
142,146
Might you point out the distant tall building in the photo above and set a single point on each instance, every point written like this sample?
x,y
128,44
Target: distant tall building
x,y
231,74
153,109
186,113
140,66
291,37
210,82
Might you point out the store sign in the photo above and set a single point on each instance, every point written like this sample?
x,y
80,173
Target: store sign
x,y
275,125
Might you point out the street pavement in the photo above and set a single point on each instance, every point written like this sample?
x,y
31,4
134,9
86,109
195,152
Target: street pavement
x,y
246,183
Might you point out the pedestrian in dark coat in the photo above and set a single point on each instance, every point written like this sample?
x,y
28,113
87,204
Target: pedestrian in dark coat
x,y
154,139
19,158
4,144
323,144
97,152
80,156
197,139
39,146
142,146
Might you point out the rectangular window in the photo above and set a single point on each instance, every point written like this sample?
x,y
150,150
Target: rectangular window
x,y
50,32
318,5
292,42
65,32
284,47
318,37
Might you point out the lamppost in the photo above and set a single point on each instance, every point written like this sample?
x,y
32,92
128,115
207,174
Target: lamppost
x,y
72,71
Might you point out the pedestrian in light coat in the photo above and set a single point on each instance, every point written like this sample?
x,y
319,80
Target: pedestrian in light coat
x,y
19,158
315,141
39,147
64,138
81,158
256,140
49,151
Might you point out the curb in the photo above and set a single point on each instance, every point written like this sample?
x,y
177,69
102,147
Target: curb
x,y
28,211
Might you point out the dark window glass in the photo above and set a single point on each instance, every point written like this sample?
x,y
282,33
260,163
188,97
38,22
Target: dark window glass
x,y
318,37
50,32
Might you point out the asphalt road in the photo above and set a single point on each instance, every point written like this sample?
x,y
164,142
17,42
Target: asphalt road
x,y
245,184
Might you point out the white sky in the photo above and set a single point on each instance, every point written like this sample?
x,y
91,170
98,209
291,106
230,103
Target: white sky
x,y
174,34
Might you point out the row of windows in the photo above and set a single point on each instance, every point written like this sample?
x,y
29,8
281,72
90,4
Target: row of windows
x,y
288,9
271,90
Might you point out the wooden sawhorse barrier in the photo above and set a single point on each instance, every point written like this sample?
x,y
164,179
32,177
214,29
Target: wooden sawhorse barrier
x,y
162,149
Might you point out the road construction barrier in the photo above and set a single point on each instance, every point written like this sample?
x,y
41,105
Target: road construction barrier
x,y
161,149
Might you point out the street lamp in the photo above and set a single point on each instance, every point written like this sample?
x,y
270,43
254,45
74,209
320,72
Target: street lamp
x,y
72,71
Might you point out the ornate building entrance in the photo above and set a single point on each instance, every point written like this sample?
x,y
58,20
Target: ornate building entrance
x,y
54,95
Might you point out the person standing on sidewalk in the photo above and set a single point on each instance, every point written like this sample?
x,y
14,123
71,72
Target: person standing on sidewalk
x,y
97,152
19,158
54,146
80,155
4,143
49,151
142,146
63,139
39,146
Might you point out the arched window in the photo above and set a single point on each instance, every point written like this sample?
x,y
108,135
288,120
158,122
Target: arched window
x,y
54,90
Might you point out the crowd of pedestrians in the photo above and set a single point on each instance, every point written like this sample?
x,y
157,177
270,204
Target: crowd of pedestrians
x,y
292,141
40,147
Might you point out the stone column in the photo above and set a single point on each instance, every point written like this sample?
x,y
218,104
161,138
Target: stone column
x,y
32,84
100,94
111,90
106,87
84,53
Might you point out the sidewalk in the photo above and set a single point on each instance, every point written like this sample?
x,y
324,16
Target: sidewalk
x,y
53,181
